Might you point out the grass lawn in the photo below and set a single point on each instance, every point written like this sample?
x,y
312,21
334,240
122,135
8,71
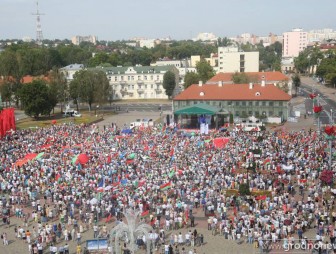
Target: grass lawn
x,y
59,118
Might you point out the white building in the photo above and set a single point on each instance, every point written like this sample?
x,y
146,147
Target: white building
x,y
78,39
205,37
294,42
321,35
70,70
230,59
138,82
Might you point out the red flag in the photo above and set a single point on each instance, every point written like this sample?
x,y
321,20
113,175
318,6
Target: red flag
x,y
109,159
145,213
171,152
108,218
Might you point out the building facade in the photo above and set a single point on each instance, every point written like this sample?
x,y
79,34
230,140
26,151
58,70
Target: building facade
x,y
230,59
241,100
138,82
70,70
294,42
78,39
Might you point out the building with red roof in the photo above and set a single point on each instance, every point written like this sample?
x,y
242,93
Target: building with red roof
x,y
240,100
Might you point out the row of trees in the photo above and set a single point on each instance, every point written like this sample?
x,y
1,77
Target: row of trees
x,y
324,62
40,98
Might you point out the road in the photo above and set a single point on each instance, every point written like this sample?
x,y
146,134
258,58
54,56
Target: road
x,y
324,99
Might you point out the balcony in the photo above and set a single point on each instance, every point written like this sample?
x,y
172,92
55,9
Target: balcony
x,y
157,81
123,90
123,82
140,81
141,90
158,90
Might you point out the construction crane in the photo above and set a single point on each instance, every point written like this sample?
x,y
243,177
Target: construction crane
x,y
39,34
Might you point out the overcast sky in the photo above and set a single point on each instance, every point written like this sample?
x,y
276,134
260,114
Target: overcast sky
x,y
179,19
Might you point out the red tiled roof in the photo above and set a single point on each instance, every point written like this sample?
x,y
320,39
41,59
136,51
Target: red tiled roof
x,y
233,92
269,76
27,79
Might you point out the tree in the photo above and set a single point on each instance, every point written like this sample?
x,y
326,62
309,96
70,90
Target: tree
x,y
35,99
204,70
240,78
190,78
169,83
296,82
89,86
58,86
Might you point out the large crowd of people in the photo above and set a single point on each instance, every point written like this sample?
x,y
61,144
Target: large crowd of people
x,y
66,179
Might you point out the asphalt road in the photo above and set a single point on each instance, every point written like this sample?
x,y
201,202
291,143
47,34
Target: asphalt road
x,y
326,103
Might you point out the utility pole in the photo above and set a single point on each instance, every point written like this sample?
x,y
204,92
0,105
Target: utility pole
x,y
331,137
39,34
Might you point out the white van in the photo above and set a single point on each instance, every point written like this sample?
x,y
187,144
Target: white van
x,y
142,122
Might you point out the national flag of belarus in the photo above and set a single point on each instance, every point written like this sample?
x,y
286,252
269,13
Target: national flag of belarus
x,y
165,186
267,161
145,214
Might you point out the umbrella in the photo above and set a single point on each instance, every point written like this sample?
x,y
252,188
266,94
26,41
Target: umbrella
x,y
287,222
53,122
83,158
93,201
126,131
131,156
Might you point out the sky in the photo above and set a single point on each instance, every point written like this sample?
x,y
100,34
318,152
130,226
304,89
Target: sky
x,y
179,19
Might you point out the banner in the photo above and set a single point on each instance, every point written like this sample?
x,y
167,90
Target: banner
x,y
7,121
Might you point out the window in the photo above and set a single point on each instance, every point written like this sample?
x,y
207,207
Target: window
x,y
264,103
271,103
280,113
242,65
139,86
151,86
157,77
151,77
122,78
256,113
229,103
242,57
116,78
257,103
139,77
128,77
270,113
132,86
132,77
244,103
145,77
237,113
242,69
280,103
250,113
145,86
250,103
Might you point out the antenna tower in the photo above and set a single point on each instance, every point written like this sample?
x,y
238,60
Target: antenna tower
x,y
39,34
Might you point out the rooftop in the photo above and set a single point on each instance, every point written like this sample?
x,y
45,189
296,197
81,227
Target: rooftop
x,y
233,92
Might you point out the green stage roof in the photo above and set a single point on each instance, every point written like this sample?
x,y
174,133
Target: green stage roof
x,y
197,109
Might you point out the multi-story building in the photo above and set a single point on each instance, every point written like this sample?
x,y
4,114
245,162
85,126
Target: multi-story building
x,y
241,100
78,39
138,82
205,37
294,42
230,59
